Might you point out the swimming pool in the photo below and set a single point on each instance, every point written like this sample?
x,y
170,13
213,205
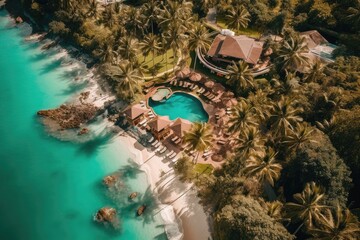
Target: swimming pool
x,y
180,105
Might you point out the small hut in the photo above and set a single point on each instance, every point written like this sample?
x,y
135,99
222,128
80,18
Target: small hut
x,y
134,114
195,77
160,126
180,127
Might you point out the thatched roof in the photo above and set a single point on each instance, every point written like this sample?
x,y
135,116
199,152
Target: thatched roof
x,y
241,47
180,126
195,76
135,111
159,123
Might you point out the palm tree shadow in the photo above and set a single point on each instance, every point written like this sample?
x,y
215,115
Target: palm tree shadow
x,y
73,88
50,66
131,170
95,144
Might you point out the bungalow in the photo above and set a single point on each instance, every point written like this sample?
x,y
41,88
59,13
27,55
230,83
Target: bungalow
x,y
318,46
234,48
135,113
159,127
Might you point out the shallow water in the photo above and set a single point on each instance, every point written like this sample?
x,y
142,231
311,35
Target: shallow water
x,y
180,105
50,189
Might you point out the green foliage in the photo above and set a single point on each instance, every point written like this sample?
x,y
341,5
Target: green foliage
x,y
318,162
184,168
244,219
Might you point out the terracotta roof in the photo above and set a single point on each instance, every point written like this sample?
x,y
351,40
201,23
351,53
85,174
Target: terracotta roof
x,y
159,123
313,38
241,47
180,126
134,111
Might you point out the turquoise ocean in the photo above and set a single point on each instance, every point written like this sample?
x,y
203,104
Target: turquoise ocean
x,y
50,189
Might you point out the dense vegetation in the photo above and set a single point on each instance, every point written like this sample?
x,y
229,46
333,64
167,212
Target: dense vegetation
x,y
296,135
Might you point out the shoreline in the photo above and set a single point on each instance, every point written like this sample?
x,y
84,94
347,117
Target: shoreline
x,y
178,213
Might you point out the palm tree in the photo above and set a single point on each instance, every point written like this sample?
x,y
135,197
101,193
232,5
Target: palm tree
x,y
298,136
274,209
93,9
241,77
127,79
248,142
337,224
238,17
199,39
199,138
315,73
307,206
109,18
264,168
128,48
354,16
292,53
242,117
284,117
134,23
150,12
107,54
176,38
150,44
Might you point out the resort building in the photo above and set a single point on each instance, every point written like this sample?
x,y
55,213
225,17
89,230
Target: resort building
x,y
227,48
159,127
134,114
180,127
319,47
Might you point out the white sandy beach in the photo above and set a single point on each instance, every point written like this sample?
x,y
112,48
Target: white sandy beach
x,y
174,196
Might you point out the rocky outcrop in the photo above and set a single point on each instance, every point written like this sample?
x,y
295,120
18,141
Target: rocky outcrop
x,y
106,214
70,116
110,180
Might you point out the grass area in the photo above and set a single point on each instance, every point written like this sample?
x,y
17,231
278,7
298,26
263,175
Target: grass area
x,y
161,62
254,33
201,168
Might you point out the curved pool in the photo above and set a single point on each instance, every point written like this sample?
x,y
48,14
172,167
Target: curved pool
x,y
180,105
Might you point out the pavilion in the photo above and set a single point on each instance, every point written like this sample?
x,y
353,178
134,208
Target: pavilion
x,y
135,113
159,127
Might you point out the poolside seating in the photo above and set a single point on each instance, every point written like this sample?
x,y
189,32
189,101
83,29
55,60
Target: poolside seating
x,y
163,150
177,141
154,143
157,145
202,90
170,153
142,122
207,153
175,138
151,139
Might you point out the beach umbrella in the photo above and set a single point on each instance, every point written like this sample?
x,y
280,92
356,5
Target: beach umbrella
x,y
218,88
183,73
195,77
231,102
209,84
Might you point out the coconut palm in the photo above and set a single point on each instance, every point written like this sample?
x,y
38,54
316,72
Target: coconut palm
x,y
299,135
336,224
128,48
292,53
284,117
126,78
315,73
242,117
274,209
107,54
249,142
150,12
241,77
109,18
176,37
265,168
354,16
307,205
150,44
238,17
134,23
199,138
93,9
199,39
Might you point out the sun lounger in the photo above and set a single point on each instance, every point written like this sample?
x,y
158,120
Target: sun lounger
x,y
151,139
157,145
206,94
181,83
158,148
170,153
175,138
142,102
163,150
207,154
142,122
202,90
154,143
177,141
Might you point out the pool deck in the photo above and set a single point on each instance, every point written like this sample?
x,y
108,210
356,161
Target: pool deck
x,y
219,129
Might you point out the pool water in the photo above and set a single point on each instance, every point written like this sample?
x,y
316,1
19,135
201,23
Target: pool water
x,y
180,105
